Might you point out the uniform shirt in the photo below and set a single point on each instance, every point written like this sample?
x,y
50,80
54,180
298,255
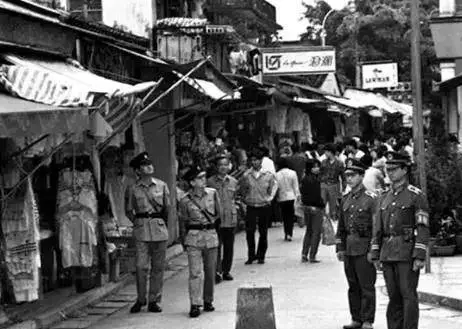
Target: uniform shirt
x,y
191,214
142,198
331,171
288,188
401,229
354,230
268,165
227,190
373,179
258,188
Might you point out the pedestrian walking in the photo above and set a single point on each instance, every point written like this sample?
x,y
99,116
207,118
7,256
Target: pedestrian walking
x,y
353,239
258,188
399,242
288,191
227,189
200,213
331,180
147,206
313,206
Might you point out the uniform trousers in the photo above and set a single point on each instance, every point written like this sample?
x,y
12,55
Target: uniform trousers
x,y
225,252
262,217
330,193
361,276
151,255
202,269
403,305
288,216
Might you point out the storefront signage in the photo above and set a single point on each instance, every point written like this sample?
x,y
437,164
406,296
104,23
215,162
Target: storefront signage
x,y
306,60
383,75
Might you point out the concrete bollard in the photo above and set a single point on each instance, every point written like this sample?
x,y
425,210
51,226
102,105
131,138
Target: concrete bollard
x,y
255,308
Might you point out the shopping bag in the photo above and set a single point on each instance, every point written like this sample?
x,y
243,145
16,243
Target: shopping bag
x,y
299,213
328,232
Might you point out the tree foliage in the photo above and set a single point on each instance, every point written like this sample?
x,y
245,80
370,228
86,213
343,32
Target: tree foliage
x,y
378,30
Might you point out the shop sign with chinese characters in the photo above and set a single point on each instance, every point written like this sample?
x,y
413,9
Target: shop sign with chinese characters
x,y
301,60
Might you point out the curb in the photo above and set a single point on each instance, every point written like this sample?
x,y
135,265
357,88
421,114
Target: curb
x,y
85,299
438,300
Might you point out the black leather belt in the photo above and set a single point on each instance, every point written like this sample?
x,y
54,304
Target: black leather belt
x,y
201,227
149,215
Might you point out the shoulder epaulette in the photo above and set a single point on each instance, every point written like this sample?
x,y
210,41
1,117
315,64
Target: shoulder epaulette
x,y
371,194
414,189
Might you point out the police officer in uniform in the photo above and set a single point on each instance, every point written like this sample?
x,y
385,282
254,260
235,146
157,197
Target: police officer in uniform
x,y
147,206
399,242
200,213
353,239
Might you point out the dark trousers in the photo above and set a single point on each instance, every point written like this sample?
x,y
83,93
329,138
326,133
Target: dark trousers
x,y
403,305
288,215
225,249
361,276
313,222
262,217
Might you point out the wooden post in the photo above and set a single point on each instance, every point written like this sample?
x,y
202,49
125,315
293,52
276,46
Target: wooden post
x,y
417,115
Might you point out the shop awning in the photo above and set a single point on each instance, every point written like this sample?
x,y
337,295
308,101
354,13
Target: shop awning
x,y
60,83
22,118
306,88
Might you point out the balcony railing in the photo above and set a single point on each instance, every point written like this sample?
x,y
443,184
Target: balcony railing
x,y
261,8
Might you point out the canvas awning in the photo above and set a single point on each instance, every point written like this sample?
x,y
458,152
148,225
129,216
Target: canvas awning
x,y
66,84
22,118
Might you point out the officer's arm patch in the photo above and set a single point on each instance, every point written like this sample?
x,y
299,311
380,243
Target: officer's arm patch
x,y
414,189
422,218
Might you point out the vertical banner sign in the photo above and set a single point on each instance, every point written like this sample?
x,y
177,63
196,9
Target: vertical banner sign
x,y
380,75
300,60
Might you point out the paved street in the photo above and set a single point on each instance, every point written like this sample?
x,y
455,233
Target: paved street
x,y
305,295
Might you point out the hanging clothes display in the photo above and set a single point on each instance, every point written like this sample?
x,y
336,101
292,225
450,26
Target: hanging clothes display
x,y
77,216
294,120
20,225
277,118
306,135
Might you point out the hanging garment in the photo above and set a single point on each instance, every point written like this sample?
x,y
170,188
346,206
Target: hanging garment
x,y
294,119
77,217
115,188
306,135
20,225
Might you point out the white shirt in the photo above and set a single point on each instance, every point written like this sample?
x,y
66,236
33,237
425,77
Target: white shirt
x,y
268,165
372,178
288,188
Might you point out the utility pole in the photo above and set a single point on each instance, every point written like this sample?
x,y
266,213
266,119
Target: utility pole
x,y
417,115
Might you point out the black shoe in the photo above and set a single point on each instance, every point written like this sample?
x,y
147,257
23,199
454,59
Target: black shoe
x,y
289,238
208,307
315,261
218,278
250,261
154,307
353,325
261,261
304,259
227,277
195,311
136,308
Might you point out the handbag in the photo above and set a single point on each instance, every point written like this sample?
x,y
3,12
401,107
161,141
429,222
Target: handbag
x,y
299,213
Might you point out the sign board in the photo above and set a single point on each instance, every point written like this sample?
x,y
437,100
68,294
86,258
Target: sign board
x,y
382,75
302,60
134,16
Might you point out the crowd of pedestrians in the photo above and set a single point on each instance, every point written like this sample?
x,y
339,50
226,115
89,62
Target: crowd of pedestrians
x,y
364,190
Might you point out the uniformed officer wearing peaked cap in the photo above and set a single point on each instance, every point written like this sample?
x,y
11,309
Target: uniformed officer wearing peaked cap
x,y
353,239
399,242
139,160
200,213
147,206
